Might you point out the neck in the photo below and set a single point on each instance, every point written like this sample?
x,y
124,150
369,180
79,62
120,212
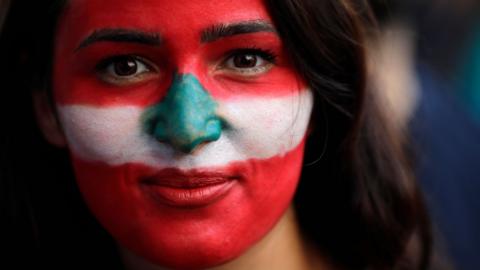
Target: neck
x,y
282,248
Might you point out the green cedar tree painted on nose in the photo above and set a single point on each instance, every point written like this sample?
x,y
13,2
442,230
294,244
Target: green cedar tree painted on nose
x,y
186,117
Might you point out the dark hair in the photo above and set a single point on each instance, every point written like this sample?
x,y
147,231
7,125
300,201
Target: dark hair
x,y
357,200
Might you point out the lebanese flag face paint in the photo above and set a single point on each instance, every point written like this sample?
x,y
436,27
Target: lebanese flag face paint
x,y
185,121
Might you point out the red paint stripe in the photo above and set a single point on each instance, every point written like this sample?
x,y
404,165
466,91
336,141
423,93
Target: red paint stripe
x,y
164,235
76,81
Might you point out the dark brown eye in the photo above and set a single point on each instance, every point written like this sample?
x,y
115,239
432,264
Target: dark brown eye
x,y
249,62
125,70
125,66
245,61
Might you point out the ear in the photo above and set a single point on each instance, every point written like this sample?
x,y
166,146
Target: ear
x,y
46,119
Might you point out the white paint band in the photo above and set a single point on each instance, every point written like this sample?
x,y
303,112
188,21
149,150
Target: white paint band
x,y
260,128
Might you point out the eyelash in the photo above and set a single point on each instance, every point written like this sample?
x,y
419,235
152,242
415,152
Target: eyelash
x,y
105,69
267,55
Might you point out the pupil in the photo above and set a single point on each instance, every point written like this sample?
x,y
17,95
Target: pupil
x,y
245,61
125,66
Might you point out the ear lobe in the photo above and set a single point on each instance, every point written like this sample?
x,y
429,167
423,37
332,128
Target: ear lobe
x,y
47,120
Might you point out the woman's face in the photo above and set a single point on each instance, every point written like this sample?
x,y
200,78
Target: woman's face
x,y
185,121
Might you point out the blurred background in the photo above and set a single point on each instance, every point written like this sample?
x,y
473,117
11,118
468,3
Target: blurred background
x,y
425,66
3,9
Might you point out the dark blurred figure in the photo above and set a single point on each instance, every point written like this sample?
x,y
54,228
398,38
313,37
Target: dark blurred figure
x,y
450,44
415,63
444,28
469,72
4,4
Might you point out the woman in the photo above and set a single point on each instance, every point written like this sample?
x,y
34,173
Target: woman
x,y
186,123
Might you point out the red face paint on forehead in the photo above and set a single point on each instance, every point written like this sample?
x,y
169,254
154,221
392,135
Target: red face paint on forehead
x,y
179,26
181,20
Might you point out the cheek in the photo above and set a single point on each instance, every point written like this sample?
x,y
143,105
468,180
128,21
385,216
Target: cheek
x,y
265,127
103,134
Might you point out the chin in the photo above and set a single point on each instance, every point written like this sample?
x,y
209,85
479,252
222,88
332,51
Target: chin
x,y
195,254
201,237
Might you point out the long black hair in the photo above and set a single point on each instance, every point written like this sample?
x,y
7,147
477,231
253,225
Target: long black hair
x,y
357,200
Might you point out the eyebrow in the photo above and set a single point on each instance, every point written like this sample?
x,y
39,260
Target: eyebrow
x,y
121,35
219,31
210,34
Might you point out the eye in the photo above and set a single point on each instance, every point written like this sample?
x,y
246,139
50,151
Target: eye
x,y
246,61
125,69
249,62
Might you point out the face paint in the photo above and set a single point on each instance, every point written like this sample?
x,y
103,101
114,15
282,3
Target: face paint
x,y
186,116
195,157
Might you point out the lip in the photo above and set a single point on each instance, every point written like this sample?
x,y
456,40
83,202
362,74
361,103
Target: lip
x,y
192,189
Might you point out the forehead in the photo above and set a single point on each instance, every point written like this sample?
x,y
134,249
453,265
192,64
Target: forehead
x,y
165,16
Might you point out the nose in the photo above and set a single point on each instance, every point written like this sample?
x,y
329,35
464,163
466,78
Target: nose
x,y
186,117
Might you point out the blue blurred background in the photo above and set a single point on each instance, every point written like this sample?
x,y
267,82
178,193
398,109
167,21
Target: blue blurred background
x,y
426,68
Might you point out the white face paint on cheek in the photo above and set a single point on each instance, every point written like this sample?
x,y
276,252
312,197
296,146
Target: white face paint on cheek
x,y
263,128
258,128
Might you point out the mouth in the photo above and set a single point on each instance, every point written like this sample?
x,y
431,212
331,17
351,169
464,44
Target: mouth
x,y
192,189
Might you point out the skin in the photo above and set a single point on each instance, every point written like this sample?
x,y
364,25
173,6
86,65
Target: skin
x,y
282,248
189,115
